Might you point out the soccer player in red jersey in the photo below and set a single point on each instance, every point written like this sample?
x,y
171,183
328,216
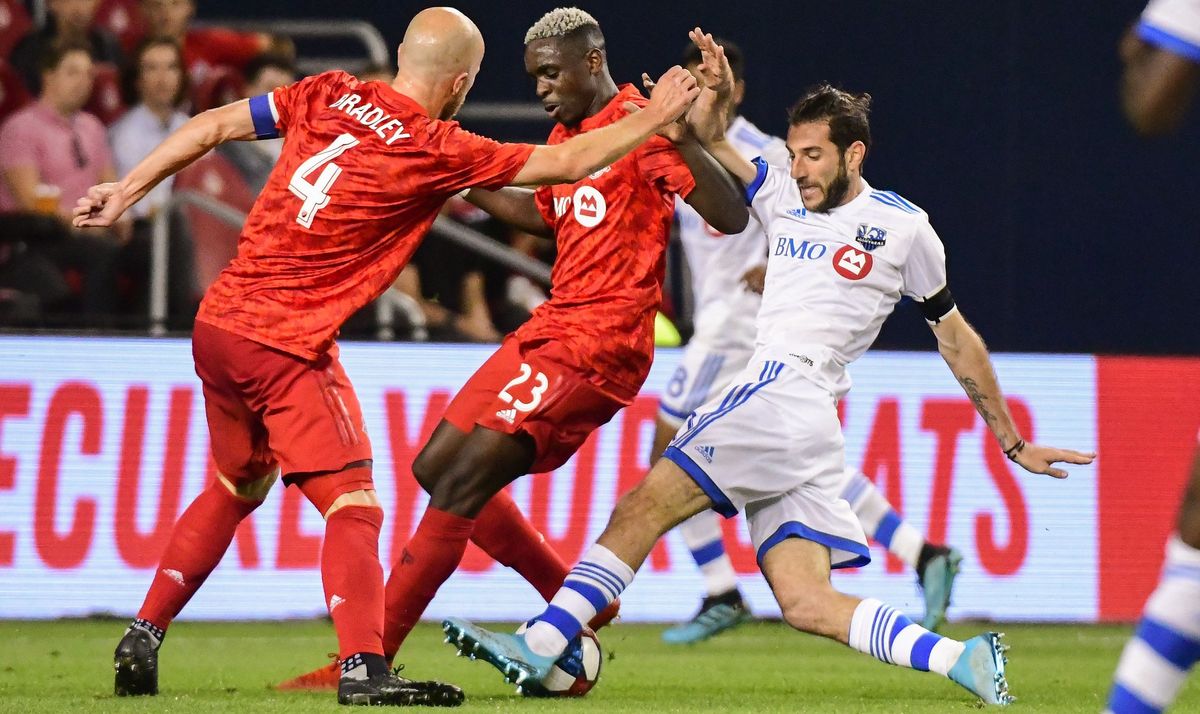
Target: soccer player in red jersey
x,y
365,168
582,356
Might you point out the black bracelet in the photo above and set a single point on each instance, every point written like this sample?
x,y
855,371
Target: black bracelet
x,y
1012,451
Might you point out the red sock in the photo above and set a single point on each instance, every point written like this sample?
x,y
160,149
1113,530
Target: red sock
x,y
425,563
504,533
353,579
200,537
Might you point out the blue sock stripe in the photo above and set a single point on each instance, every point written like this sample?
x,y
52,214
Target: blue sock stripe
x,y
575,577
562,621
1123,701
595,597
919,657
877,627
871,640
706,554
589,572
902,622
616,580
1175,647
887,528
854,488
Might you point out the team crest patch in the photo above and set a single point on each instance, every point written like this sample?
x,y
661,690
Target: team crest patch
x,y
870,237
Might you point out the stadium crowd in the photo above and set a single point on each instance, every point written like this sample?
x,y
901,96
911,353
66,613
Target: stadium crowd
x,y
91,91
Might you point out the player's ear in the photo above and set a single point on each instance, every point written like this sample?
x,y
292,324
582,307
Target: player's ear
x,y
460,81
856,153
739,91
594,60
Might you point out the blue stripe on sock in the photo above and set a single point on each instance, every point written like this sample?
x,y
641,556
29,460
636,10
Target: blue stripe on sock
x,y
919,657
887,529
1123,701
615,580
902,622
706,554
591,593
1175,647
576,577
587,571
562,621
876,626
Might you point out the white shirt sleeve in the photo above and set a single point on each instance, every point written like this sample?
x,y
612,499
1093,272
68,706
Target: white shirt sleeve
x,y
924,270
766,191
1172,25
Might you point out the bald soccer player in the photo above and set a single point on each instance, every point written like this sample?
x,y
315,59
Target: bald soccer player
x,y
364,169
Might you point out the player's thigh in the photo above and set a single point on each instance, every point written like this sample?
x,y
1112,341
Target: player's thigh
x,y
1189,511
485,462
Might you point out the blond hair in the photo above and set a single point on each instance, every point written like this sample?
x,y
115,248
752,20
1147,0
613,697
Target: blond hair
x,y
560,22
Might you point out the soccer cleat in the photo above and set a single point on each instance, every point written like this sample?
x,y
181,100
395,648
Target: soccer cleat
x,y
936,580
322,679
607,615
717,614
136,664
980,668
432,693
507,653
384,689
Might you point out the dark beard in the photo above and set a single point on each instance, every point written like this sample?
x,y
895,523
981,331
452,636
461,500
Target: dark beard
x,y
836,190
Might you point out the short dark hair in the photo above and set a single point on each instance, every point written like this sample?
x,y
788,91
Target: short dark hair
x,y
846,113
54,53
267,60
133,71
737,61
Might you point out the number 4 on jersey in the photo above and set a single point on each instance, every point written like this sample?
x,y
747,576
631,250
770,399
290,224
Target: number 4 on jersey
x,y
316,193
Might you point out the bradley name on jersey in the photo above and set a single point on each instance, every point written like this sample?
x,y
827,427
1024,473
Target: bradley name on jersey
x,y
374,118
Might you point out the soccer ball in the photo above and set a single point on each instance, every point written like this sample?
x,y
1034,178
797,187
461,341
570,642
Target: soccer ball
x,y
574,674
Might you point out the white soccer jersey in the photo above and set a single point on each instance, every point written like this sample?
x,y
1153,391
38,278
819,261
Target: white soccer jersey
x,y
1173,25
833,278
724,310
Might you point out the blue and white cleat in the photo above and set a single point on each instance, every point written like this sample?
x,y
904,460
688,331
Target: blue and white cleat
x,y
937,584
980,668
507,653
709,622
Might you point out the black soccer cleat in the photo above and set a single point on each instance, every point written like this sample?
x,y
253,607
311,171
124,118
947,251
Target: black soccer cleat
x,y
136,665
384,689
433,693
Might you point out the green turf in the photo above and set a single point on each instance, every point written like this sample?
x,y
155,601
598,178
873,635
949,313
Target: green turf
x,y
762,667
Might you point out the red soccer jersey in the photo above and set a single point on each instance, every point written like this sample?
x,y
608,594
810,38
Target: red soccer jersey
x,y
612,230
362,176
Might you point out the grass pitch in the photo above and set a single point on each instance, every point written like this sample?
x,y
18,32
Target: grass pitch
x,y
762,667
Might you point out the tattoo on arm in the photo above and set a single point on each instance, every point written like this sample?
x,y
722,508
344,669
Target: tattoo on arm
x,y
978,398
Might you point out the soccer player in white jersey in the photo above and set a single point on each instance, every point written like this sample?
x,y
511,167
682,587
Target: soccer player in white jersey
x,y
1162,71
727,274
771,442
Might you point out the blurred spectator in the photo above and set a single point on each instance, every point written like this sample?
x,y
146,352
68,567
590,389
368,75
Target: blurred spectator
x,y
51,152
154,86
207,48
255,159
68,22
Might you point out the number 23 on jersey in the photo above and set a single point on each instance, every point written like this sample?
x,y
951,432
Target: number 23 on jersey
x,y
537,388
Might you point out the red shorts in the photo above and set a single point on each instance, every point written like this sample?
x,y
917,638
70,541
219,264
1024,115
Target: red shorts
x,y
267,408
531,388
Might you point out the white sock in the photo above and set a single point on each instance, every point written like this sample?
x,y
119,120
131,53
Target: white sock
x,y
591,585
888,636
1156,660
702,534
881,522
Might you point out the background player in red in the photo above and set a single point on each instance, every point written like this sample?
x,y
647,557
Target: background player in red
x,y
582,356
365,168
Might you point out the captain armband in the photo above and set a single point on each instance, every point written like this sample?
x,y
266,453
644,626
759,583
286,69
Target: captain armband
x,y
937,306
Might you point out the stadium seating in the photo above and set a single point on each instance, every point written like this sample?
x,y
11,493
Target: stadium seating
x,y
214,240
14,24
13,94
221,85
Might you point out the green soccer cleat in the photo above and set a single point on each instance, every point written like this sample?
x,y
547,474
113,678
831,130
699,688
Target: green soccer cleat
x,y
937,583
715,617
507,653
980,668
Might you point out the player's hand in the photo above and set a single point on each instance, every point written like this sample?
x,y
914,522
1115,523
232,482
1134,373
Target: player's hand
x,y
672,94
100,208
677,131
1041,459
709,115
755,279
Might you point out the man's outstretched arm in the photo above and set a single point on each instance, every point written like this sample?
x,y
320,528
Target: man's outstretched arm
x,y
515,206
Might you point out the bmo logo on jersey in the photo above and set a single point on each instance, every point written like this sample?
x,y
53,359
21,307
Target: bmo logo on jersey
x,y
589,206
852,263
799,249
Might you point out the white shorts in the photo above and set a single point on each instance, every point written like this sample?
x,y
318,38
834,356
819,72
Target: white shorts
x,y
702,373
771,444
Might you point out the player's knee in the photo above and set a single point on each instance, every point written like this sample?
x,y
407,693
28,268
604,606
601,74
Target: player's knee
x,y
805,608
425,470
364,498
643,508
462,489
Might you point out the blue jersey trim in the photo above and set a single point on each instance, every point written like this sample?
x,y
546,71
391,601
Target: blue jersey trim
x,y
796,529
752,189
706,554
890,199
264,120
1165,40
721,502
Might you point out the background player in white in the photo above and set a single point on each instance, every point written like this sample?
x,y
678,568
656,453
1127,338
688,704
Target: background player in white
x,y
727,277
771,443
1162,71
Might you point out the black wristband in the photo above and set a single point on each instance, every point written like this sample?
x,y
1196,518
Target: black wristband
x,y
937,306
1012,451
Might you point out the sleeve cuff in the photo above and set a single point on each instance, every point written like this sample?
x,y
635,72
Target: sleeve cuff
x,y
752,190
1167,41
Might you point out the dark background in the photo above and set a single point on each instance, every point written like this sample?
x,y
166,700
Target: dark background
x,y
1064,231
